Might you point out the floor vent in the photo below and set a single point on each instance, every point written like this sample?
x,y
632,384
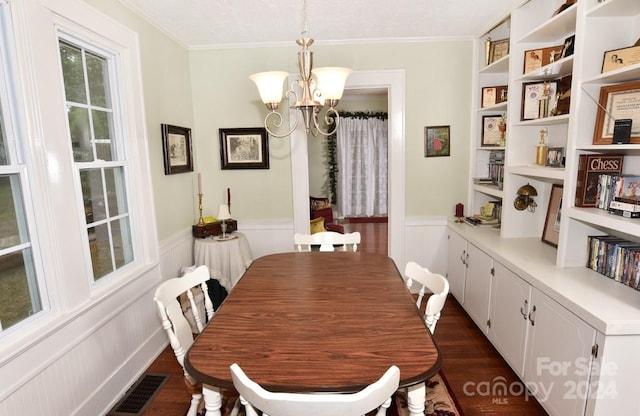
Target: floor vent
x,y
139,396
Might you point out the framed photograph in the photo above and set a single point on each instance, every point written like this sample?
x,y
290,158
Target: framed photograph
x,y
176,148
555,157
551,230
537,58
567,48
491,134
621,101
498,49
619,58
538,98
244,148
493,95
437,141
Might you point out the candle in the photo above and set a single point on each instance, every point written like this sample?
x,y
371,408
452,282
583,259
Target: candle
x,y
228,196
459,210
199,184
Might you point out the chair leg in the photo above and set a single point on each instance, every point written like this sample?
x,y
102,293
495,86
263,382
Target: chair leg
x,y
382,410
195,401
236,407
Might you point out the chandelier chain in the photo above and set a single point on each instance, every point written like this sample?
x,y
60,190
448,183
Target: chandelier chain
x,y
304,18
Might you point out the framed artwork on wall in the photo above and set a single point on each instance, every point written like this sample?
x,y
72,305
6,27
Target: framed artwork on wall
x,y
176,148
437,141
244,148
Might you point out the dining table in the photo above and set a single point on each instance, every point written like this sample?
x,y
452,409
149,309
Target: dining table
x,y
316,322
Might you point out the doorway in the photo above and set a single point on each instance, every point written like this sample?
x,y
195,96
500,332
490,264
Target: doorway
x,y
393,82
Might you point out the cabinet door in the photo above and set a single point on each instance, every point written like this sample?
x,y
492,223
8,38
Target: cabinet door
x,y
510,300
478,286
457,265
558,356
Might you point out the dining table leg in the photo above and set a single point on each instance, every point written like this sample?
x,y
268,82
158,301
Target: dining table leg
x,y
416,396
212,400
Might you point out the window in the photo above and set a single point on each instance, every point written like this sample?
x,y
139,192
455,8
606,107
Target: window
x,y
20,294
98,153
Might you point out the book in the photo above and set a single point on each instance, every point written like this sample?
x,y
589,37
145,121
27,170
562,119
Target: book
x,y
627,186
590,167
629,200
623,213
624,206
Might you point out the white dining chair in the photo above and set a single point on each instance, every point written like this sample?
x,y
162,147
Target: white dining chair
x,y
327,240
375,396
437,284
180,332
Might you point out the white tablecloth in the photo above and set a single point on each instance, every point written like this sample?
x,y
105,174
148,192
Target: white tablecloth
x,y
230,257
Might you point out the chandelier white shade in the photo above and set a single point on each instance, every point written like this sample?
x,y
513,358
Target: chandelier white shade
x,y
319,87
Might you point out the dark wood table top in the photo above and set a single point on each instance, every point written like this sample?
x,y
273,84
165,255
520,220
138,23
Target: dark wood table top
x,y
316,322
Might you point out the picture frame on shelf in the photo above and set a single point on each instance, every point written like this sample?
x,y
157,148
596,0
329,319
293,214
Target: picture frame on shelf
x,y
567,48
620,58
537,58
555,157
551,230
617,102
491,134
437,141
498,49
176,149
534,103
244,148
494,95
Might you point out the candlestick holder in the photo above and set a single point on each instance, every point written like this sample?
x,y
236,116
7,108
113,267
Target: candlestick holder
x,y
200,220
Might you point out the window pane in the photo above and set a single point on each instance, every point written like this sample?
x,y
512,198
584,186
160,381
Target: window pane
x,y
11,211
103,134
19,296
116,195
4,159
100,251
72,71
122,248
80,134
97,72
94,206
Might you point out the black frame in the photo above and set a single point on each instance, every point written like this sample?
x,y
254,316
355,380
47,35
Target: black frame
x,y
429,150
231,158
177,149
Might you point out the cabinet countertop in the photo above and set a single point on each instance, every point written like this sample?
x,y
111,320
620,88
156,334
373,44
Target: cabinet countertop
x,y
609,306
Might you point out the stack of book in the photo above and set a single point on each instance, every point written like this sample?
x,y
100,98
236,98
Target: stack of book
x,y
496,167
616,258
628,207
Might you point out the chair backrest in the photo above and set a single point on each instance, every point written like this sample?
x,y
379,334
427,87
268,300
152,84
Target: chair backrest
x,y
327,240
167,297
437,284
375,395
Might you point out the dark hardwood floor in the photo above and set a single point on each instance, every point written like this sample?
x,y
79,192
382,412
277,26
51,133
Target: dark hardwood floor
x,y
473,369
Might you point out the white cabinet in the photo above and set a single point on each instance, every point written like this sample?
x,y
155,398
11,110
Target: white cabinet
x,y
457,265
478,285
558,360
510,301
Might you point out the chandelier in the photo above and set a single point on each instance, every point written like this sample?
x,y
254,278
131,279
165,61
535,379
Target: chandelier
x,y
319,87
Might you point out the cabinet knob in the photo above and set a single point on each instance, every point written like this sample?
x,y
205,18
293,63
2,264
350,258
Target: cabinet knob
x,y
524,309
462,257
532,316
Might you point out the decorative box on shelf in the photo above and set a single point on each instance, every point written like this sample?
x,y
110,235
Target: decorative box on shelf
x,y
213,228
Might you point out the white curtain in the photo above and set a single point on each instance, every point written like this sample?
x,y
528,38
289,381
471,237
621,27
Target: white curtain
x,y
362,166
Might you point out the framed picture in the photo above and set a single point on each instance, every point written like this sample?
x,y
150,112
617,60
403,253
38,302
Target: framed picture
x,y
493,95
538,98
491,134
244,148
621,101
551,230
437,141
555,157
619,58
176,148
498,49
567,48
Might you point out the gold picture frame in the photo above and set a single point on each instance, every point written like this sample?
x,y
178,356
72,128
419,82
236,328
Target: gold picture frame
x,y
616,102
498,49
620,58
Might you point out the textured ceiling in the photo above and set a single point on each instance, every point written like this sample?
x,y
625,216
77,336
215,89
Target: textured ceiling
x,y
235,23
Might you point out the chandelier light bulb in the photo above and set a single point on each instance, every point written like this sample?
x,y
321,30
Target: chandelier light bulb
x,y
270,85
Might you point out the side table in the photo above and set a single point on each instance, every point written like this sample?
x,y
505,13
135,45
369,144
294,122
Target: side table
x,y
230,257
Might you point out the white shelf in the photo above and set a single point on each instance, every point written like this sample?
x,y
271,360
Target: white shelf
x,y
554,70
496,107
626,74
615,8
537,171
491,190
499,66
555,28
562,119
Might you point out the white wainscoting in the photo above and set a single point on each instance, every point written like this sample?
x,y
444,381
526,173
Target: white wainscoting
x,y
92,359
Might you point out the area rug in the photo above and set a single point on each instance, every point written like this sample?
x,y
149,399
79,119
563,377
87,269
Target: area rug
x,y
439,401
